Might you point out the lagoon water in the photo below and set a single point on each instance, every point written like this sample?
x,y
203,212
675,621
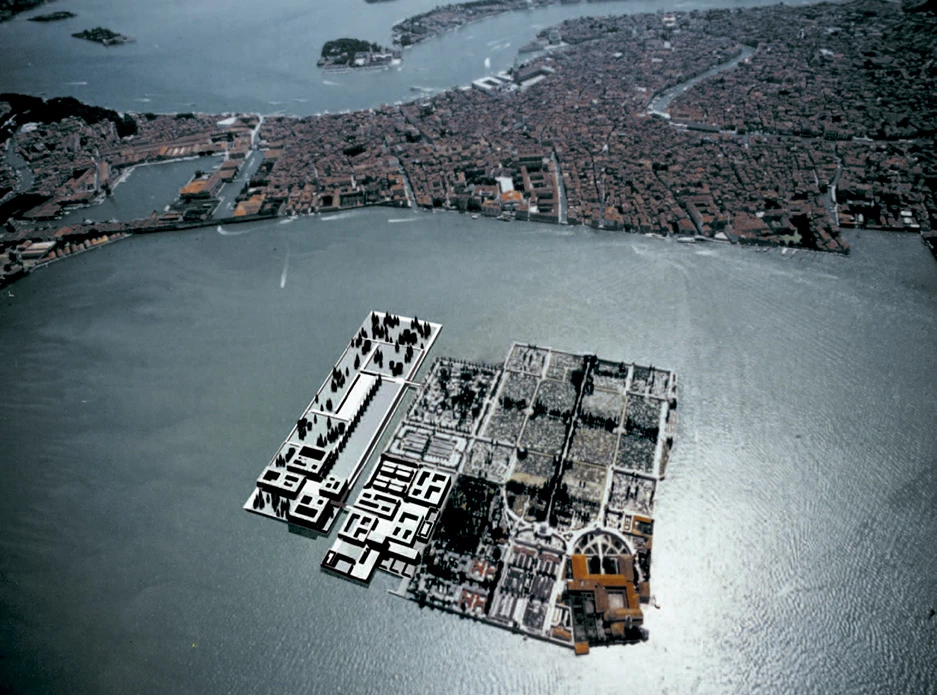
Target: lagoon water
x,y
146,384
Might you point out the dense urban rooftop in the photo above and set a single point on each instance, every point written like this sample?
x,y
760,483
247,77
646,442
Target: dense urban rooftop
x,y
777,125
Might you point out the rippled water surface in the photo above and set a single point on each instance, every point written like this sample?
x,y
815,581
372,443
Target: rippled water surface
x,y
146,384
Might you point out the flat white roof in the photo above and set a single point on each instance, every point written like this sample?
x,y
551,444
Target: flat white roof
x,y
356,396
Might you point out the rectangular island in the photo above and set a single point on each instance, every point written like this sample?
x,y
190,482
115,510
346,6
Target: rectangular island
x,y
520,494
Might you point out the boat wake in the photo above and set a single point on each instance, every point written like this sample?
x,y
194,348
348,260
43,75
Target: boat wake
x,y
225,232
286,268
405,219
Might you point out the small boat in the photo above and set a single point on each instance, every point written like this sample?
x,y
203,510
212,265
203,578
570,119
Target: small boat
x,y
475,216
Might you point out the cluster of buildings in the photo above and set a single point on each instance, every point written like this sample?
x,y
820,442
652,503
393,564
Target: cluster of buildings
x,y
848,80
568,138
449,17
21,255
331,162
309,478
821,71
792,144
391,521
74,163
346,54
199,199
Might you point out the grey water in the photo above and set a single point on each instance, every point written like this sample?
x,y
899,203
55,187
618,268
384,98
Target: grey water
x,y
147,383
211,56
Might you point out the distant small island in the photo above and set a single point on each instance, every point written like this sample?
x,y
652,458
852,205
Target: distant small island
x,y
10,8
355,53
52,16
103,36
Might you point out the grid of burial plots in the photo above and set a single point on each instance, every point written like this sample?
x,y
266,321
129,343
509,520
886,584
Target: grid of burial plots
x,y
453,395
647,430
573,421
527,587
537,439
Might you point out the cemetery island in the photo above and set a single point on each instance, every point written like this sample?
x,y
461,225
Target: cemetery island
x,y
520,494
